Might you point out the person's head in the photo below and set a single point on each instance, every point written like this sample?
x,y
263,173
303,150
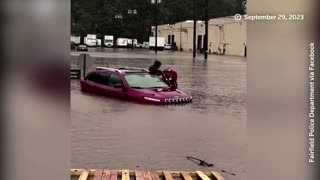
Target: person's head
x,y
167,73
157,64
170,73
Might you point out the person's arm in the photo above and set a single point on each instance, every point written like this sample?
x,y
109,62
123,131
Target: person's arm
x,y
160,73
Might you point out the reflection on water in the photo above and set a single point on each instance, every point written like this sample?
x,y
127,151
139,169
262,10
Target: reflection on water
x,y
111,133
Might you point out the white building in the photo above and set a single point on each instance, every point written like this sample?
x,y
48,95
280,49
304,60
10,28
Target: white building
x,y
226,35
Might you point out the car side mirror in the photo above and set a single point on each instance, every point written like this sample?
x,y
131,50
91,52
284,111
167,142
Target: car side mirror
x,y
119,86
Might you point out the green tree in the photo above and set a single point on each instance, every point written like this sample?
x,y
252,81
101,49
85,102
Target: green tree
x,y
241,7
98,16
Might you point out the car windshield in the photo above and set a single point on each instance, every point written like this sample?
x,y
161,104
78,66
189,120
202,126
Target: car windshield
x,y
144,81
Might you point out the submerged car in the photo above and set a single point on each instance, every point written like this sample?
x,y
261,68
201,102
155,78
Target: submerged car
x,y
132,84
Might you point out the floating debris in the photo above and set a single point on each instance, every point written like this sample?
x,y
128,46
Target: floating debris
x,y
224,171
199,161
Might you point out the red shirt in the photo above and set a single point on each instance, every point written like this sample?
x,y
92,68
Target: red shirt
x,y
174,74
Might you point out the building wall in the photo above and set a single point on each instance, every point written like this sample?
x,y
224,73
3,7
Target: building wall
x,y
221,31
214,38
236,38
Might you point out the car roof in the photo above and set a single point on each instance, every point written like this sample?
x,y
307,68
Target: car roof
x,y
122,70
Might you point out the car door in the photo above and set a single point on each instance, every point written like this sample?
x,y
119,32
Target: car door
x,y
116,92
88,83
104,83
98,83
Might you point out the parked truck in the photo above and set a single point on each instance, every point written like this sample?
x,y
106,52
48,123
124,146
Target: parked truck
x,y
122,42
91,40
160,43
108,41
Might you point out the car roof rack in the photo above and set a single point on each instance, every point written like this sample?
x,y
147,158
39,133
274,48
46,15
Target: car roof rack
x,y
132,69
107,68
124,69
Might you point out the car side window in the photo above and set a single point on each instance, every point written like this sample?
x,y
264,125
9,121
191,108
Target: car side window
x,y
100,78
104,78
93,77
114,79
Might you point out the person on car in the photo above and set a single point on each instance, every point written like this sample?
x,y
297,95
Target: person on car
x,y
171,77
154,69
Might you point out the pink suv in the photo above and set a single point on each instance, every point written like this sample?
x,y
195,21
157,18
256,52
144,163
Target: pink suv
x,y
132,84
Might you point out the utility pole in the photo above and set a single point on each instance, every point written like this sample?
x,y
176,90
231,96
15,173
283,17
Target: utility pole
x,y
206,32
132,12
156,29
132,33
194,27
156,2
180,37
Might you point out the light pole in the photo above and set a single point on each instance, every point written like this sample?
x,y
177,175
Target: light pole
x,y
119,18
180,36
132,12
194,35
206,33
194,27
156,2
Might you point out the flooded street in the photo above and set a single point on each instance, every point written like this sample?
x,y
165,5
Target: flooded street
x,y
109,133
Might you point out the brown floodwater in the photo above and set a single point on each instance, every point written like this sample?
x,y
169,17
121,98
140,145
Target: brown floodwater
x,y
109,133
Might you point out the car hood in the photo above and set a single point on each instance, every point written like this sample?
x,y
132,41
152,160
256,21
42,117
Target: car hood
x,y
162,93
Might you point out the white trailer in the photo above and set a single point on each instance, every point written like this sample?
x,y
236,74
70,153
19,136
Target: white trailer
x,y
91,40
160,43
76,39
108,41
122,42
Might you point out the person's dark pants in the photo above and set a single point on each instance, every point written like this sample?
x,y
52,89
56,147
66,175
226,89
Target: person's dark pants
x,y
174,85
